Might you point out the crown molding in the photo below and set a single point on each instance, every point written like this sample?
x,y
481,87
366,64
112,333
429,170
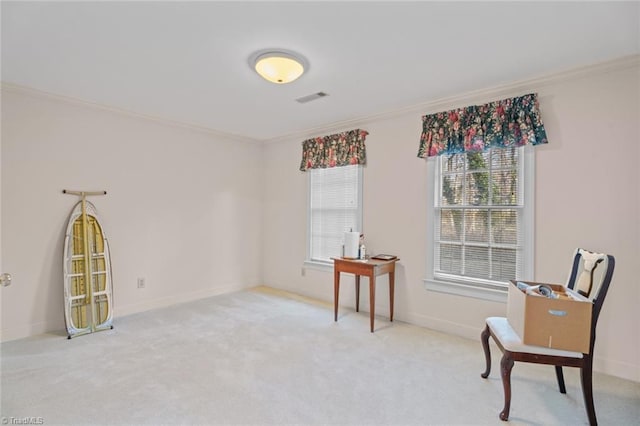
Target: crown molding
x,y
37,93
510,89
477,96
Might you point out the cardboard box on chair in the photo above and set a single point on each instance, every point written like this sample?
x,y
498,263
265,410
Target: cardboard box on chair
x,y
562,323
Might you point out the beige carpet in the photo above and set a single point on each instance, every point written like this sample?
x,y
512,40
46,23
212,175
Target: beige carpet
x,y
264,357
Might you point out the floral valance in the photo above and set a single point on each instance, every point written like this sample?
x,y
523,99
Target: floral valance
x,y
341,149
499,124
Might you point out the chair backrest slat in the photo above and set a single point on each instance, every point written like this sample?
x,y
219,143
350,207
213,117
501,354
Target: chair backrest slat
x,y
587,267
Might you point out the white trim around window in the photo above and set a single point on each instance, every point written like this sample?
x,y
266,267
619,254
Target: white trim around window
x,y
477,288
337,194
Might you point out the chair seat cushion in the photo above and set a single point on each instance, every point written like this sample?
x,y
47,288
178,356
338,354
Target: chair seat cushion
x,y
510,340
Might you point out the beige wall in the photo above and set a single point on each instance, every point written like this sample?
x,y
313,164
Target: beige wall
x,y
587,195
183,210
197,214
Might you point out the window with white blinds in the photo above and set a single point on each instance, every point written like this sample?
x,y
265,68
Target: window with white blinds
x,y
335,206
480,218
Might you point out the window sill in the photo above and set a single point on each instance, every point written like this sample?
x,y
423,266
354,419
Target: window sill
x,y
466,290
318,265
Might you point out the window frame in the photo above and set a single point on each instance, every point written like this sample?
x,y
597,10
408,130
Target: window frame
x,y
480,288
317,263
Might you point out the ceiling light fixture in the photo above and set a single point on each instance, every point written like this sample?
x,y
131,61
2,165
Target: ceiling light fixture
x,y
278,66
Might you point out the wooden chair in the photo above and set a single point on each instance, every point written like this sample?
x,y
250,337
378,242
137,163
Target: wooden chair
x,y
582,280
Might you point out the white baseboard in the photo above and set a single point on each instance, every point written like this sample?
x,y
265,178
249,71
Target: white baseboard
x,y
28,330
20,332
620,369
601,365
163,302
449,327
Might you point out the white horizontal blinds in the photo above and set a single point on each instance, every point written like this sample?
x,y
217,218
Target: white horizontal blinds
x,y
479,215
335,207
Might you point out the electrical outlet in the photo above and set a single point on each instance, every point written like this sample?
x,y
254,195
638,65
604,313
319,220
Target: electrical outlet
x,y
141,283
303,272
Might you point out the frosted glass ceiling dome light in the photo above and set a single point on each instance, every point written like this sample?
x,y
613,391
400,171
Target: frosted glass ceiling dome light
x,y
278,66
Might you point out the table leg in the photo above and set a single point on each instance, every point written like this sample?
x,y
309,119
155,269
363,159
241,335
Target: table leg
x,y
357,293
372,298
336,292
392,277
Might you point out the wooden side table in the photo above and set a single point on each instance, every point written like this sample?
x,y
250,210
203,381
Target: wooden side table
x,y
369,268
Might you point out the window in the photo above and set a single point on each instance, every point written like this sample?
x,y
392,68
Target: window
x,y
335,206
481,230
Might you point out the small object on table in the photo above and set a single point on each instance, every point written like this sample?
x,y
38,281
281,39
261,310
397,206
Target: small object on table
x,y
384,257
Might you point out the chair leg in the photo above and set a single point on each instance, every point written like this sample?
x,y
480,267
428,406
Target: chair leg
x,y
484,337
506,364
560,377
587,391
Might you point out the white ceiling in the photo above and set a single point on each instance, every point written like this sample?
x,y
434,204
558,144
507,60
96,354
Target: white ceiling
x,y
188,61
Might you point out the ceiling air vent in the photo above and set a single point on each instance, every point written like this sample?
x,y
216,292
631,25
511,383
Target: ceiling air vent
x,y
313,97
